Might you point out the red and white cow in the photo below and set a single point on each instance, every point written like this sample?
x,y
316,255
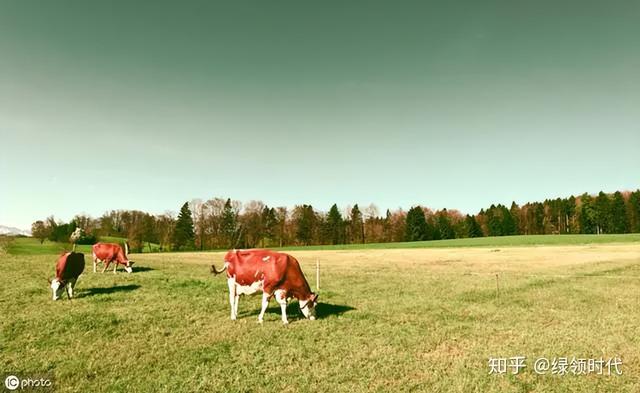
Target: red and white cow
x,y
111,252
274,273
68,268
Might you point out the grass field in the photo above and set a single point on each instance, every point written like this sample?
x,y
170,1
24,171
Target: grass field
x,y
495,241
31,246
424,319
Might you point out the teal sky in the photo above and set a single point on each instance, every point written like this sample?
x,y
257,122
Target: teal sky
x,y
117,105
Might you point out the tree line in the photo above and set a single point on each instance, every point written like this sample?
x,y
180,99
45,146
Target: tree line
x,y
224,223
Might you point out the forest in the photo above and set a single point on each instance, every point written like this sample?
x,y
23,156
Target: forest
x,y
221,223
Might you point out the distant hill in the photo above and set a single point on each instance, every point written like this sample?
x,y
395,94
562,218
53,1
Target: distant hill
x,y
11,231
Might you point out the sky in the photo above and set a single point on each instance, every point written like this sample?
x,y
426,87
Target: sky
x,y
146,105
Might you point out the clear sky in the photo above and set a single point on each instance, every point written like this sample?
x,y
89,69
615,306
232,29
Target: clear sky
x,y
145,105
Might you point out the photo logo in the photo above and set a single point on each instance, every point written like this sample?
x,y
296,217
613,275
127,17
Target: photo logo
x,y
41,382
12,382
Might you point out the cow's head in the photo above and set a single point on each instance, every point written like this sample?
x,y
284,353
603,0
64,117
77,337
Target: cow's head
x,y
128,267
308,306
57,287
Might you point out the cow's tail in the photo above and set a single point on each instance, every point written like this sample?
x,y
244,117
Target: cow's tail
x,y
126,248
215,271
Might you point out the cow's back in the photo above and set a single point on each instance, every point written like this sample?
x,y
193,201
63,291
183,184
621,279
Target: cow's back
x,y
70,265
106,251
275,269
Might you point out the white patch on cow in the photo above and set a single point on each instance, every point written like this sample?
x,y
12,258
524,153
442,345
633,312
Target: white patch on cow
x,y
231,282
308,308
281,298
57,288
249,289
266,259
265,304
70,286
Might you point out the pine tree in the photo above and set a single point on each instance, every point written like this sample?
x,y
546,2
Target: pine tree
x,y
356,225
269,223
387,227
587,215
472,226
183,235
229,224
618,214
334,226
515,215
416,227
634,211
306,224
494,220
508,224
603,213
443,229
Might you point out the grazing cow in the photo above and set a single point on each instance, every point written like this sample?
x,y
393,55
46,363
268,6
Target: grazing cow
x,y
274,273
110,252
69,266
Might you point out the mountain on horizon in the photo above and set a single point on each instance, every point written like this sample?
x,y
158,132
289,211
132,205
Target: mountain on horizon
x,y
13,231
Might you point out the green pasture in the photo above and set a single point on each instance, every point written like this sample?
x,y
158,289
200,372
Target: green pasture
x,y
388,321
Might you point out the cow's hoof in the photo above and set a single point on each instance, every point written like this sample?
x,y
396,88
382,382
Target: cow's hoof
x,y
260,321
285,322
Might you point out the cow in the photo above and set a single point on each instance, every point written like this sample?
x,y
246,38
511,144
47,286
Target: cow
x,y
68,268
272,273
111,252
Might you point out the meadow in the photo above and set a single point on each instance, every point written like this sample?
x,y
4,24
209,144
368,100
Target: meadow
x,y
390,319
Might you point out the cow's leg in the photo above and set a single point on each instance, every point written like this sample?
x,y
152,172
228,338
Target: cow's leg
x,y
265,304
281,298
95,263
232,297
106,266
70,286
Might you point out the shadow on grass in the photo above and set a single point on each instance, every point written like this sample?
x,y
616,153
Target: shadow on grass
x,y
107,290
323,310
139,269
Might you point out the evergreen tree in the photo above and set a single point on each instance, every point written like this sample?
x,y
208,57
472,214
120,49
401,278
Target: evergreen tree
x,y
183,235
387,229
587,215
538,218
494,221
306,222
444,229
334,226
603,213
618,214
416,225
473,228
356,225
570,215
634,211
515,215
229,224
508,224
269,223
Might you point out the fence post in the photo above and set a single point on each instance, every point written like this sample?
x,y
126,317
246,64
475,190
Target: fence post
x,y
497,286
